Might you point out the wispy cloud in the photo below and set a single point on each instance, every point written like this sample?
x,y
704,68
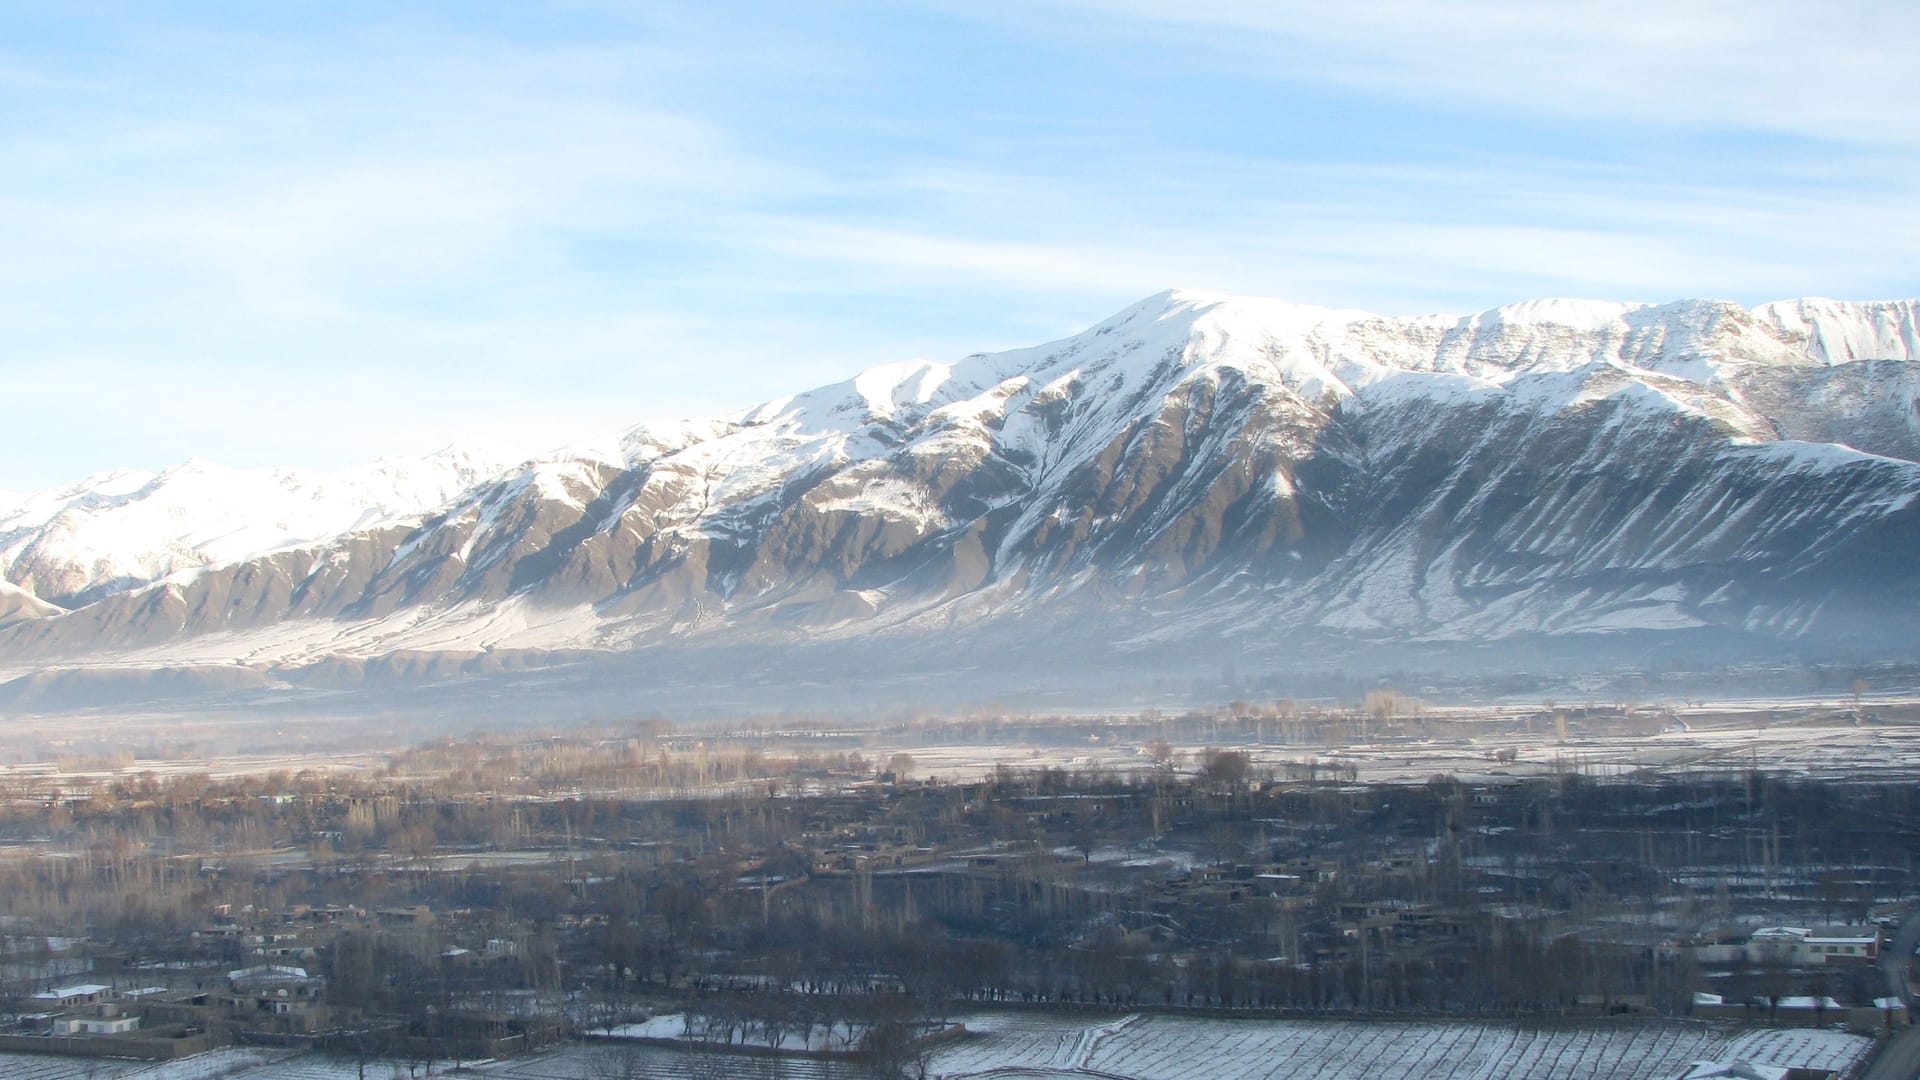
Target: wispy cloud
x,y
1833,73
1398,237
263,238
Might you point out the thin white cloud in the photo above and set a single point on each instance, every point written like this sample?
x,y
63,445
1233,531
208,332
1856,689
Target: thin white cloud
x,y
1396,237
900,249
1838,71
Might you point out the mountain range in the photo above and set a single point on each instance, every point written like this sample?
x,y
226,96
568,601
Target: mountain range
x,y
1197,468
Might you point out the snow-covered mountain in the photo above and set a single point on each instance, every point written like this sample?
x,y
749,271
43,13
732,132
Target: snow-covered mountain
x,y
1195,466
123,529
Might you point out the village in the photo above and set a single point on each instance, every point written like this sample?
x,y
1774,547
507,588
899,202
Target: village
x,y
506,897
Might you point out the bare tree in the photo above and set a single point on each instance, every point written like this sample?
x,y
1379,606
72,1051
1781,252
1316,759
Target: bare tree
x,y
615,1062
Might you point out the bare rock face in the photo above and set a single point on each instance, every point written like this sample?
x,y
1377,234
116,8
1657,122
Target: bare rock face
x,y
1194,465
17,605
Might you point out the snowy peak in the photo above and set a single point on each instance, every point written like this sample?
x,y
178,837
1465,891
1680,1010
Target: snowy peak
x,y
1316,351
122,529
1555,334
1838,332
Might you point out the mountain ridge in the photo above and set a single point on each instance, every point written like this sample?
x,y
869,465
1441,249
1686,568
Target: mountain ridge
x,y
1195,463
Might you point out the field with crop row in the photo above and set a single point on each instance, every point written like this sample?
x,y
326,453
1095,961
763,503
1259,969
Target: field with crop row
x,y
1039,1046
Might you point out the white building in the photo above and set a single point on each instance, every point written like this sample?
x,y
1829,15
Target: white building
x,y
95,1025
68,997
1808,946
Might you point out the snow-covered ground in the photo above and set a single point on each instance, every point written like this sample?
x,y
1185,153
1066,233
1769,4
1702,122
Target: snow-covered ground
x,y
1802,742
1809,738
231,1061
1041,1046
1179,1048
838,1038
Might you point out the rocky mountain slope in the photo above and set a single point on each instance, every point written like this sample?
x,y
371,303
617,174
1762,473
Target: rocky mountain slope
x,y
1194,466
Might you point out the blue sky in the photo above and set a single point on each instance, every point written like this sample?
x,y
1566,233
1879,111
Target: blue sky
x,y
313,234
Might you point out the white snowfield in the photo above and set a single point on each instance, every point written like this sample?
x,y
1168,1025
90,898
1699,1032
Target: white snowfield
x,y
883,445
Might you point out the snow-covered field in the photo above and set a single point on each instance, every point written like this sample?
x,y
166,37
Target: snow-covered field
x,y
1809,738
230,1063
1176,1048
1040,1046
1803,743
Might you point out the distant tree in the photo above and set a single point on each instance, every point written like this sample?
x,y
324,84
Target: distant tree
x,y
1086,837
892,1046
1384,704
1226,768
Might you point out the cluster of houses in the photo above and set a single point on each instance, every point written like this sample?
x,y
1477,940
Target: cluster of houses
x,y
273,994
166,1022
80,1009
